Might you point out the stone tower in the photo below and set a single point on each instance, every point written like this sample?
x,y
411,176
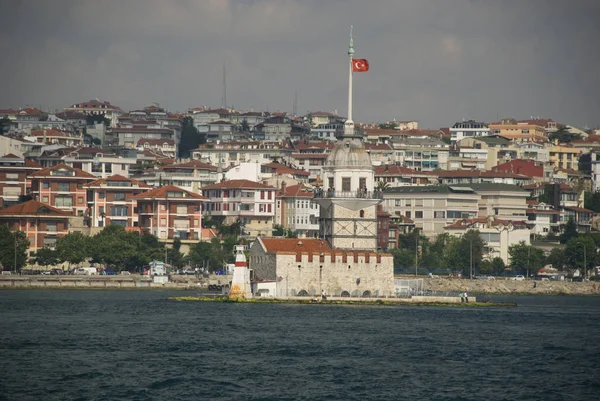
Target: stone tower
x,y
348,217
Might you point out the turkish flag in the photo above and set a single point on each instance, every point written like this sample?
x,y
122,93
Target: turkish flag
x,y
360,65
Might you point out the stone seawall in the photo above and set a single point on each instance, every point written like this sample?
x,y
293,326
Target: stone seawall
x,y
504,286
11,282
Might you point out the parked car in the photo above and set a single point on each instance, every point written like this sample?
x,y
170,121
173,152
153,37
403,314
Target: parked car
x,y
57,272
86,271
108,272
125,273
518,278
188,271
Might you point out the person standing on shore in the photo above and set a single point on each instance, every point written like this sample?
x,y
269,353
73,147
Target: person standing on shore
x,y
466,297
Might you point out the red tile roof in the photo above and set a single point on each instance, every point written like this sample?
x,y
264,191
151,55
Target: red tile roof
x,y
283,169
579,209
152,141
479,173
51,132
162,193
237,184
116,177
297,191
526,167
399,170
78,173
33,208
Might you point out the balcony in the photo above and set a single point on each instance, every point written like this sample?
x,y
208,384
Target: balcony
x,y
321,194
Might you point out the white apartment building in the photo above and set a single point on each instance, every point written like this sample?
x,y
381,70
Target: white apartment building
x,y
466,129
236,152
190,176
98,162
432,207
421,154
251,202
297,210
467,159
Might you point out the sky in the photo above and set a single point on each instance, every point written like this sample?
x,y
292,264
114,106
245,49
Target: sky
x,y
437,62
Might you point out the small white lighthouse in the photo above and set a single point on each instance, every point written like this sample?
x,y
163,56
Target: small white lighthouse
x,y
240,284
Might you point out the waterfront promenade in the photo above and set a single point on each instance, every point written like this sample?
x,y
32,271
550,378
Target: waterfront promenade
x,y
430,285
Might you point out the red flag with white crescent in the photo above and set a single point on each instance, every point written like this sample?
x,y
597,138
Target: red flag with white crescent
x,y
360,65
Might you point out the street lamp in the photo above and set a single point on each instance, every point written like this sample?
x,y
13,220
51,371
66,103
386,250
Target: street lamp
x,y
471,259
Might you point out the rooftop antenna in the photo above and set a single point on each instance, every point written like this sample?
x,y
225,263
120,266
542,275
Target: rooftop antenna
x,y
224,95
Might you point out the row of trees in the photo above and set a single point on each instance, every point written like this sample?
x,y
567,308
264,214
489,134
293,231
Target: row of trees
x,y
458,254
118,249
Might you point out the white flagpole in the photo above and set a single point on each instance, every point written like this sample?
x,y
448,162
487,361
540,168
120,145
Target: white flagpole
x,y
349,125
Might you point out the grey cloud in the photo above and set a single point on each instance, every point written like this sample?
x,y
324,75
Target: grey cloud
x,y
435,61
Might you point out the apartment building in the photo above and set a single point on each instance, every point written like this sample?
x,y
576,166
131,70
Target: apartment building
x,y
504,201
235,152
543,219
422,154
111,201
61,186
190,176
98,162
170,212
41,223
525,131
564,156
466,177
252,203
467,159
468,129
14,181
431,208
391,176
497,234
327,132
296,210
165,146
94,107
55,137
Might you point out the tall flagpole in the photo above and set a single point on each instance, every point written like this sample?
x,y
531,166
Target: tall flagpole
x,y
349,125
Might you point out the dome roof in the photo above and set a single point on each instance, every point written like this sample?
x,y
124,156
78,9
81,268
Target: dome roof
x,y
349,153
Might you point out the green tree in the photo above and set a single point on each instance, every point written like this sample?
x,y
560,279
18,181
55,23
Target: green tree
x,y
562,135
278,230
201,255
13,248
245,127
592,201
470,250
569,232
175,255
498,266
190,137
46,257
73,248
526,258
556,258
581,253
115,247
403,258
486,267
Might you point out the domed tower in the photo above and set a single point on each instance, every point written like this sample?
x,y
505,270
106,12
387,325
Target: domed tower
x,y
348,216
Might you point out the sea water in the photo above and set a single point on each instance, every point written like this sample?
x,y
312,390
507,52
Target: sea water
x,y
138,345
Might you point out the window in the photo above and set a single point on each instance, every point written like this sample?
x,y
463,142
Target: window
x,y
330,182
46,185
454,214
45,199
419,214
398,202
182,209
439,215
362,183
163,222
101,195
118,211
100,209
119,196
63,201
80,199
122,223
63,187
362,213
346,184
407,214
51,227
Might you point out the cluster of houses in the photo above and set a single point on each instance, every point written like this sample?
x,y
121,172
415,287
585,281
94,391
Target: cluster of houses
x,y
93,164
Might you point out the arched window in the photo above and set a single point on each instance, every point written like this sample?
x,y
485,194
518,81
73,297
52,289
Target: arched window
x,y
362,213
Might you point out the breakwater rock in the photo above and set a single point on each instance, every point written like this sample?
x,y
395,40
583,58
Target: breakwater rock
x,y
508,286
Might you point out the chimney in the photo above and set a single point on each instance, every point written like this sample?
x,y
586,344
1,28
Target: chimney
x,y
283,185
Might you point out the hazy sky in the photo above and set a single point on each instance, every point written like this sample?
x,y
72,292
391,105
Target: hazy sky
x,y
434,61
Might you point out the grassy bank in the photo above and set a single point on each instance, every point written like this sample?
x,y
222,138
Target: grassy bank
x,y
338,302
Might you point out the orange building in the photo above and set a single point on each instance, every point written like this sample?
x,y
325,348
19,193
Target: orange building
x,y
170,212
520,131
41,223
61,186
14,182
111,201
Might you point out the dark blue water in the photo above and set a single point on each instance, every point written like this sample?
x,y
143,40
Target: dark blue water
x,y
137,345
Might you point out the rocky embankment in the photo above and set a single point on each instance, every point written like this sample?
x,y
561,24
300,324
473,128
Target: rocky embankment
x,y
504,286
